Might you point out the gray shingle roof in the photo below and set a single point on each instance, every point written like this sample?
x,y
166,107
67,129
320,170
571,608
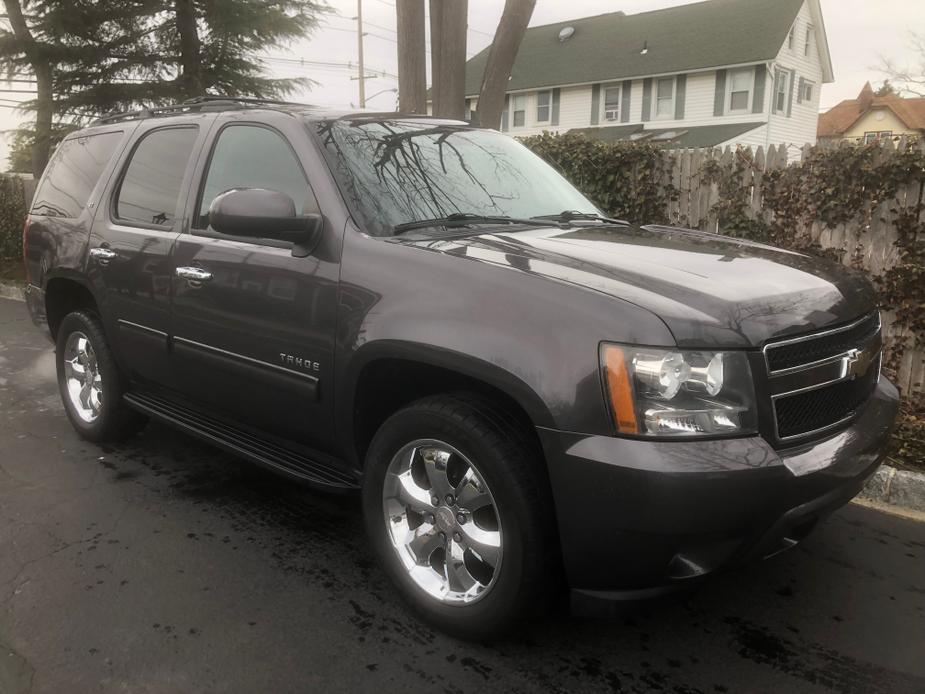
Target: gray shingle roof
x,y
608,47
692,137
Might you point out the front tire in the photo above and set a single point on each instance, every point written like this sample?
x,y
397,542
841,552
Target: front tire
x,y
458,511
90,382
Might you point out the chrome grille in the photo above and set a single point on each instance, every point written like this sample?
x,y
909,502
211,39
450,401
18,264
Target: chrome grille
x,y
819,381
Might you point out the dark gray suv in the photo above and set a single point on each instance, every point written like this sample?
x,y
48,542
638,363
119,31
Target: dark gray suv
x,y
528,393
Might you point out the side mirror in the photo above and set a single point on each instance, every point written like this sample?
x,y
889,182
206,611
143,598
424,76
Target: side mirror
x,y
265,214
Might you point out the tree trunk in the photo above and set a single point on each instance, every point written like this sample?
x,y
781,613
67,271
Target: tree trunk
x,y
44,116
501,56
448,57
41,67
190,59
412,66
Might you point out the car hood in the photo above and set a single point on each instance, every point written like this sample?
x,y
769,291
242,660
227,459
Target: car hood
x,y
710,290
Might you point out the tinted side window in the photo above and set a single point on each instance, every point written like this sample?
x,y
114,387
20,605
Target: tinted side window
x,y
72,174
248,156
151,184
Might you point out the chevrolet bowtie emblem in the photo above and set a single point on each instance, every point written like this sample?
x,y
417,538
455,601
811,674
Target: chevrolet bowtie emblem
x,y
858,361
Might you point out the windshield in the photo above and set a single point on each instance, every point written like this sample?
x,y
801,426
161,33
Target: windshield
x,y
398,171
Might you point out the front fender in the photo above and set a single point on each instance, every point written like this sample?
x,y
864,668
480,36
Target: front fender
x,y
534,338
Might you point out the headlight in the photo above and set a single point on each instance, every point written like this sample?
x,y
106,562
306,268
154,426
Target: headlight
x,y
664,392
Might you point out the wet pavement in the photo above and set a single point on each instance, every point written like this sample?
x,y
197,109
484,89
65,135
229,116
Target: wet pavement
x,y
163,565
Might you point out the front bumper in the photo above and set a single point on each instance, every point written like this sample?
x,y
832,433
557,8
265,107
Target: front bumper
x,y
640,516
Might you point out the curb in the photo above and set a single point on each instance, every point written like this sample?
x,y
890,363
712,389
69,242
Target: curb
x,y
12,291
902,488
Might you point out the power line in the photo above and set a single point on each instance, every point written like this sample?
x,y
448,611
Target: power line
x,y
365,33
317,64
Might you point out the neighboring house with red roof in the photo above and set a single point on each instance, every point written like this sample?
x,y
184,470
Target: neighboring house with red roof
x,y
870,117
697,75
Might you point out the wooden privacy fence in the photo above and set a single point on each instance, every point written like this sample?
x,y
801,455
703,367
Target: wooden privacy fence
x,y
867,241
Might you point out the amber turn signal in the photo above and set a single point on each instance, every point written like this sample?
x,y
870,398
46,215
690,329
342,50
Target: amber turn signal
x,y
619,389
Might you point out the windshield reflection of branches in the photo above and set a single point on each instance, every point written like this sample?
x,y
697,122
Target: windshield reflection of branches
x,y
398,172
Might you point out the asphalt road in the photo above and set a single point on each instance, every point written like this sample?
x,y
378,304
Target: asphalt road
x,y
163,565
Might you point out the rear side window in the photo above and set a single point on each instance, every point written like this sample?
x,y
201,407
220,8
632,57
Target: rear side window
x,y
73,173
251,156
151,185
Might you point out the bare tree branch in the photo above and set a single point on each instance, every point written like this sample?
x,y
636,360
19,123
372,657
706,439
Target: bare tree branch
x,y
909,80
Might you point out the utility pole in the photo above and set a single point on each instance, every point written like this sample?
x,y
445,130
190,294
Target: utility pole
x,y
448,57
362,74
412,65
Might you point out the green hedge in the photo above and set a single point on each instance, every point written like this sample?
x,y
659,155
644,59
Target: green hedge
x,y
12,216
627,179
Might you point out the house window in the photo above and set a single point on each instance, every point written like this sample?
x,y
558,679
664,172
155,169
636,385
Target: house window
x,y
519,107
664,97
874,136
807,91
612,102
781,81
740,89
809,40
792,36
543,104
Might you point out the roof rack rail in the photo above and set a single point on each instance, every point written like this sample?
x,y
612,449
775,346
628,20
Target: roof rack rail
x,y
196,104
206,98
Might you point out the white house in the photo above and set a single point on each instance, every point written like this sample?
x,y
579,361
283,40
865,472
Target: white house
x,y
706,74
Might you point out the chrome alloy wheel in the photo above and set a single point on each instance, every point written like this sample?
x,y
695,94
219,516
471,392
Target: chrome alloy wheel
x,y
442,521
82,377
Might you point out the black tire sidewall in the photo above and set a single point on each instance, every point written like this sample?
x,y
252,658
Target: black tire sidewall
x,y
86,323
501,608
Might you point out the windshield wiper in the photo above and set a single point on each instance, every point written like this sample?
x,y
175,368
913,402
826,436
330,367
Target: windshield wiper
x,y
461,219
573,215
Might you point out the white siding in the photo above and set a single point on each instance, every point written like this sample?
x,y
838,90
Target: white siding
x,y
800,128
574,108
753,138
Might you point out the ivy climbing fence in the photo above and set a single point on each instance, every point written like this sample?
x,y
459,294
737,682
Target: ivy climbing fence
x,y
860,205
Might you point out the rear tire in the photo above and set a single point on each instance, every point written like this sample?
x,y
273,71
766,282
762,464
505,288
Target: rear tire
x,y
91,383
497,564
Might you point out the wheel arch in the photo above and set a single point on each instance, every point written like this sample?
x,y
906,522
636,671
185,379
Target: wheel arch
x,y
388,375
63,294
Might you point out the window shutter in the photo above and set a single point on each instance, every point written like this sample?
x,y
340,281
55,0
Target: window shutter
x,y
800,90
790,94
680,96
554,118
647,99
719,97
625,102
595,104
761,77
505,114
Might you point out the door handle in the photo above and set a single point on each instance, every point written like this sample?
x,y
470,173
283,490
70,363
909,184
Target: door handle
x,y
195,276
102,255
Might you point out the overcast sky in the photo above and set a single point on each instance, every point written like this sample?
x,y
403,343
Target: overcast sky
x,y
859,31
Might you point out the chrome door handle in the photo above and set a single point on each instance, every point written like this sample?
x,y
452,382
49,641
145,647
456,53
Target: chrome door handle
x,y
102,255
194,275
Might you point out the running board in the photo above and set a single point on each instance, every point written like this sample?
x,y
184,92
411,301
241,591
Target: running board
x,y
253,447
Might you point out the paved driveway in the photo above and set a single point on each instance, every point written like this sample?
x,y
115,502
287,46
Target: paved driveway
x,y
163,565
